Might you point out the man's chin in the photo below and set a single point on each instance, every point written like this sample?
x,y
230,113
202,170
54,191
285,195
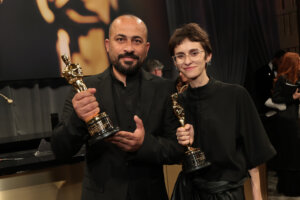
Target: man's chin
x,y
127,69
129,64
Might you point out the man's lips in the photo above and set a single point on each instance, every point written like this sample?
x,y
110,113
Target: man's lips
x,y
128,58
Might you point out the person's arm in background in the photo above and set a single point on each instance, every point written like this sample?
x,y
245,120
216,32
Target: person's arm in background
x,y
279,94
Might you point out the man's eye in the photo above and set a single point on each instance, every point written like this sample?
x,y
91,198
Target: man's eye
x,y
137,41
120,39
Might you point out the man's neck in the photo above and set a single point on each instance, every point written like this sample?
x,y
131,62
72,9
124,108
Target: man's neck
x,y
121,77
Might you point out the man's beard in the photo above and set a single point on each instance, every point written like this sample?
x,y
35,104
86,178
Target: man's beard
x,y
130,69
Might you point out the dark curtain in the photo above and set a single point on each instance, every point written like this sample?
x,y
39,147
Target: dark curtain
x,y
243,34
263,40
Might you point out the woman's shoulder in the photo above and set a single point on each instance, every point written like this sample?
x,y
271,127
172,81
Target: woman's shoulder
x,y
228,86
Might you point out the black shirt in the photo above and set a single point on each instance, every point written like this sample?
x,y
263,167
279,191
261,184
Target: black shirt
x,y
126,100
227,128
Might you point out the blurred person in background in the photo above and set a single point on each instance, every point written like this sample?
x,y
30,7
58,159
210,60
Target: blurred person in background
x,y
285,136
154,67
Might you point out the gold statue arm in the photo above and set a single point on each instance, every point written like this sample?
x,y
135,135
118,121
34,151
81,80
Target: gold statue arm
x,y
178,109
73,73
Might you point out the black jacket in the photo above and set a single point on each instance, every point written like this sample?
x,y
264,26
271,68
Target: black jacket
x,y
110,173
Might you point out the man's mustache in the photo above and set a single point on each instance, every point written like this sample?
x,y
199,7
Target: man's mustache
x,y
128,55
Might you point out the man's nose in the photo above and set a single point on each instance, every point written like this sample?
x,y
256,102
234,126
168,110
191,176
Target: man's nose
x,y
129,47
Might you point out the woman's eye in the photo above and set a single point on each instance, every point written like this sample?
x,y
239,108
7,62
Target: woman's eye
x,y
180,56
194,53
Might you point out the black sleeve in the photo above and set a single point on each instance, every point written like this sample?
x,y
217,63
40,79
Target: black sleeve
x,y
257,146
70,134
283,93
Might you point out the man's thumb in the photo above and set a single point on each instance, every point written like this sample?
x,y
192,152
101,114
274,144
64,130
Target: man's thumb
x,y
138,122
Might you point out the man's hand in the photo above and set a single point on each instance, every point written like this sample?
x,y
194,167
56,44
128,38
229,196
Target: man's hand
x,y
128,141
85,104
185,135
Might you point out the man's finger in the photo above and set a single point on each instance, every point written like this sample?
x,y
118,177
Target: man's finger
x,y
187,127
121,145
83,94
181,129
124,134
91,90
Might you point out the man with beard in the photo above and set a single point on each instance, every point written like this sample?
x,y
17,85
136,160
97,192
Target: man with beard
x,y
128,165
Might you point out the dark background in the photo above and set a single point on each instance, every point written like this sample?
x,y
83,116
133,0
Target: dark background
x,y
243,36
27,48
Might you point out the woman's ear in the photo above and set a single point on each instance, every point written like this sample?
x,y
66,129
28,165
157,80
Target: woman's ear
x,y
208,58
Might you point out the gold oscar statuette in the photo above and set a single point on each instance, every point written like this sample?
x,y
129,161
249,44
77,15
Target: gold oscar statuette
x,y
100,125
194,158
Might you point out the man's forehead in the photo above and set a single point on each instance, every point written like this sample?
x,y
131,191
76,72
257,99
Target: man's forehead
x,y
128,20
126,25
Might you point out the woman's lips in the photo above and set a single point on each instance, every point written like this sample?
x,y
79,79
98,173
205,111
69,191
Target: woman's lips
x,y
188,68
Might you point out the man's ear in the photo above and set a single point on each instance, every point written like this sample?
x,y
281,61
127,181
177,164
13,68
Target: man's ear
x,y
107,45
147,47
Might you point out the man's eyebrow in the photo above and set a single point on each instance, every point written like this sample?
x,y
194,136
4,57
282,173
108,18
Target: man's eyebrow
x,y
137,37
120,35
133,37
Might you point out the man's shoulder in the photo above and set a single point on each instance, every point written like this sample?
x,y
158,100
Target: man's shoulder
x,y
156,80
92,78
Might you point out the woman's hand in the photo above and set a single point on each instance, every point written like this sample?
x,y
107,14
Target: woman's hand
x,y
296,94
185,135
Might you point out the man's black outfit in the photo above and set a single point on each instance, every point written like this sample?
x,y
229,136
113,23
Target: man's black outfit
x,y
286,138
228,129
264,81
110,173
